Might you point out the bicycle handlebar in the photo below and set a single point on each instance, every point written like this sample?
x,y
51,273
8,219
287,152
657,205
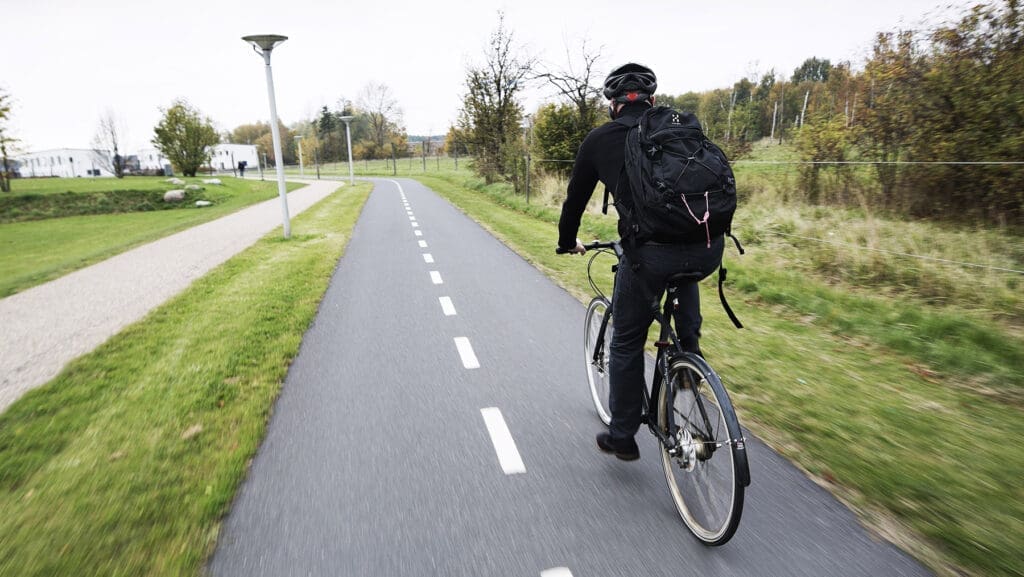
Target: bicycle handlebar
x,y
593,245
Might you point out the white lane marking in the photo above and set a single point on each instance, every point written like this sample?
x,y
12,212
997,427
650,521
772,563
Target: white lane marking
x,y
504,445
415,224
412,218
418,232
423,244
447,306
409,212
428,258
557,572
436,277
469,359
400,191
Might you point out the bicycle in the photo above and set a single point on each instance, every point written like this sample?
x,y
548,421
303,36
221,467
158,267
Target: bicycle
x,y
703,450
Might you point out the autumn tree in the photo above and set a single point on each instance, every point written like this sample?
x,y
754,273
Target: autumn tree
x,y
185,137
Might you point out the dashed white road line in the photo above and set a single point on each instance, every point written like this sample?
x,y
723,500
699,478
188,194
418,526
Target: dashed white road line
x,y
447,306
504,445
412,218
557,572
414,224
428,258
423,244
466,353
436,277
418,232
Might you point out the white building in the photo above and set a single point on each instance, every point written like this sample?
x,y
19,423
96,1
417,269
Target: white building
x,y
223,158
152,159
227,156
64,163
84,162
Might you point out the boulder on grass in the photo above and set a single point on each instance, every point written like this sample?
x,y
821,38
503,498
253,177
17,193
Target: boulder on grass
x,y
176,195
202,203
211,181
193,187
175,181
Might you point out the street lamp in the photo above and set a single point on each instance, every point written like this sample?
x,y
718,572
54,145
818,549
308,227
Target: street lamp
x,y
298,144
264,44
348,139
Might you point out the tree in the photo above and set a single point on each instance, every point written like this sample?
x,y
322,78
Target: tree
x,y
893,77
185,136
455,142
555,137
813,69
384,115
5,143
106,143
575,85
491,113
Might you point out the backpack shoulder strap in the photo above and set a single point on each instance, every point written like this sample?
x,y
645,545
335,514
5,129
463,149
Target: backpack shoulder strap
x,y
630,123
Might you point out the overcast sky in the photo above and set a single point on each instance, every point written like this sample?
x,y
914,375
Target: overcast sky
x,y
66,61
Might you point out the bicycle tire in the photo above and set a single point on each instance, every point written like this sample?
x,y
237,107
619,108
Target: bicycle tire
x,y
597,370
705,478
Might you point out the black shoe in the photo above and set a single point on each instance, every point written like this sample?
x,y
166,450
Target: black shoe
x,y
624,449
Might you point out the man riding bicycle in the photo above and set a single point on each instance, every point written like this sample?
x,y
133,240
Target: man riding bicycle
x,y
644,270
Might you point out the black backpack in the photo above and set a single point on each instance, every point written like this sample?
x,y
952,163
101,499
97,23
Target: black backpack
x,y
682,186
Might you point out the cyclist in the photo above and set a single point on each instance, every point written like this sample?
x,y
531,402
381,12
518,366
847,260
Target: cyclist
x,y
643,272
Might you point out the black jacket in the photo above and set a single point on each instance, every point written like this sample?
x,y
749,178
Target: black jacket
x,y
600,158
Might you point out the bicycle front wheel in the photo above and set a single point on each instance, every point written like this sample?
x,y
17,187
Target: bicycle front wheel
x,y
705,459
597,355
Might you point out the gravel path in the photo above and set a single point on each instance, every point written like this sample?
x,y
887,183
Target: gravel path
x,y
46,326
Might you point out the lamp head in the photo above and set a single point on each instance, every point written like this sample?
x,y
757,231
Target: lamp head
x,y
265,42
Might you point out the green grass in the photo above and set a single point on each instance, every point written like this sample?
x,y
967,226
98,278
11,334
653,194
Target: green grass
x,y
24,186
125,463
34,252
907,411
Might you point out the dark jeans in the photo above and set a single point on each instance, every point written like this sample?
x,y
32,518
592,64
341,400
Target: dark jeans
x,y
633,312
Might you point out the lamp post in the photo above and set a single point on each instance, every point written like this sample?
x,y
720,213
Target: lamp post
x,y
298,144
527,129
264,44
348,139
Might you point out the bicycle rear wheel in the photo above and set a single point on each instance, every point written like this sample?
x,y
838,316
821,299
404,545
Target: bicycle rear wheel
x,y
597,360
705,461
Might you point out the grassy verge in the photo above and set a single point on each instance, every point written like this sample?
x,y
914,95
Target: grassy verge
x,y
125,463
922,452
34,252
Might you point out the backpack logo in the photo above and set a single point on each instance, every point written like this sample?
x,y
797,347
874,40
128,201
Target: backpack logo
x,y
675,119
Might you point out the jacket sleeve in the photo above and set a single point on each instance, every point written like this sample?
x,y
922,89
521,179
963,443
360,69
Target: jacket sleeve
x,y
581,188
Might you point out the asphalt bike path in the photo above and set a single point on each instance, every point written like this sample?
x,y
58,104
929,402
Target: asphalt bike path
x,y
437,421
49,325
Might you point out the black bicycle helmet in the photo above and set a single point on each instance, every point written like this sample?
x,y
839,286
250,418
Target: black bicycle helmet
x,y
630,83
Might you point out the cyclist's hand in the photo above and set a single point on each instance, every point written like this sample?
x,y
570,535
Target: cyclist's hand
x,y
579,248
